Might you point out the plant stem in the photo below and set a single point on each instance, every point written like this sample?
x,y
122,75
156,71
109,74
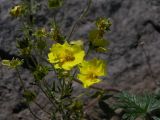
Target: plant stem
x,y
92,103
23,86
20,79
46,94
42,108
101,89
33,113
79,19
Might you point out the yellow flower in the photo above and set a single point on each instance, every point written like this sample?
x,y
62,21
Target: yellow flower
x,y
66,56
90,71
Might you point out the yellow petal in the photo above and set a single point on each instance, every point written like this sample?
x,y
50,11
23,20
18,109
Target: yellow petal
x,y
87,82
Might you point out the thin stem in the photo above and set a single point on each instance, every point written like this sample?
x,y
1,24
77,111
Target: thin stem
x,y
23,86
45,60
47,96
20,79
82,94
106,89
101,89
79,19
34,60
92,103
48,89
34,115
42,108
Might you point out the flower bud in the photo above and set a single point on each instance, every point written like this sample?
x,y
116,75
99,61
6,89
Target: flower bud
x,y
17,10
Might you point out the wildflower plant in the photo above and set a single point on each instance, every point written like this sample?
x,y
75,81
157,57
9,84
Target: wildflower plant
x,y
66,59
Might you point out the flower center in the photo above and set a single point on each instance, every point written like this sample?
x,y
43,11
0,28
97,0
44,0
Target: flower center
x,y
92,76
68,56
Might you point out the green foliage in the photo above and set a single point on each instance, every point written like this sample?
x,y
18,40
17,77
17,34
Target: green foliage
x,y
24,43
30,96
55,33
40,33
97,41
156,118
41,45
55,3
12,63
136,106
103,24
24,46
40,72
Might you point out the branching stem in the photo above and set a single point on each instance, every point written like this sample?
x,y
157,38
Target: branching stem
x,y
85,11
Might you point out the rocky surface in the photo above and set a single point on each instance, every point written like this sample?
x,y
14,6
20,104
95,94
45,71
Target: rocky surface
x,y
134,57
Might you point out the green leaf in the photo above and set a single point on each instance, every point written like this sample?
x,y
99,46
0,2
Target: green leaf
x,y
76,105
100,42
94,34
29,95
16,62
40,72
55,34
41,32
41,44
55,3
97,41
137,106
24,43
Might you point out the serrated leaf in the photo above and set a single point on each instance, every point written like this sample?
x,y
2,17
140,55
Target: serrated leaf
x,y
137,106
155,118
